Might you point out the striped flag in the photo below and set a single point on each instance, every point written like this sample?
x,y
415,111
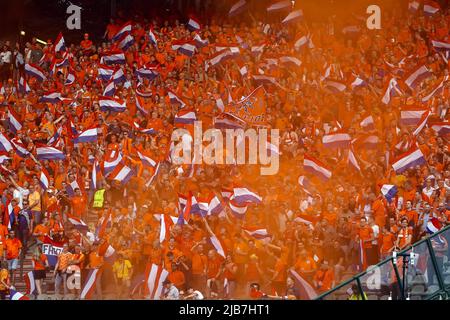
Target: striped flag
x,y
29,282
15,295
156,275
90,284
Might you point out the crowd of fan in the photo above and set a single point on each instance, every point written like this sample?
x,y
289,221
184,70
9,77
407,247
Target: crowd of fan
x,y
316,232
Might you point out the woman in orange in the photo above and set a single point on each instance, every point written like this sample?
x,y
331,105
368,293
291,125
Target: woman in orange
x,y
40,264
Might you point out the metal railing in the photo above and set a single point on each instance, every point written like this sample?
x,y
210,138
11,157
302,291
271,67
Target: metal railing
x,y
427,277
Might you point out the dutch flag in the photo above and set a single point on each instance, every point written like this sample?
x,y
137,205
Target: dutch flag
x,y
5,144
193,25
110,89
125,29
89,135
113,57
60,45
280,5
146,160
410,159
244,196
45,152
13,119
44,179
22,86
293,16
112,104
152,37
336,140
104,72
316,167
35,71
122,173
185,117
51,97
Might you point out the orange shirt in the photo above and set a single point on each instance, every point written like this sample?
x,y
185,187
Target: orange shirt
x,y
13,247
39,264
199,263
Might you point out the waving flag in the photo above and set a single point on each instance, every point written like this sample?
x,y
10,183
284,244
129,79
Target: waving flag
x,y
413,6
280,5
257,233
222,56
110,255
112,161
306,291
122,173
237,210
184,208
357,83
112,104
438,90
51,97
199,42
118,76
442,128
90,284
156,275
251,109
45,152
113,57
185,117
293,16
110,89
352,160
334,86
440,46
5,144
126,42
237,8
290,61
94,175
389,191
410,159
20,148
152,37
78,224
3,157
317,168
104,72
244,196
125,29
393,89
166,223
302,42
174,99
430,8
22,86
60,45
44,179
13,120
29,282
193,25
417,76
410,116
188,49
70,79
218,245
146,160
15,295
215,206
140,107
422,123
35,71
9,217
144,130
149,74
336,140
200,206
367,123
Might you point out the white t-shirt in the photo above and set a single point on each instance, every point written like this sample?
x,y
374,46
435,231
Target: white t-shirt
x,y
376,232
